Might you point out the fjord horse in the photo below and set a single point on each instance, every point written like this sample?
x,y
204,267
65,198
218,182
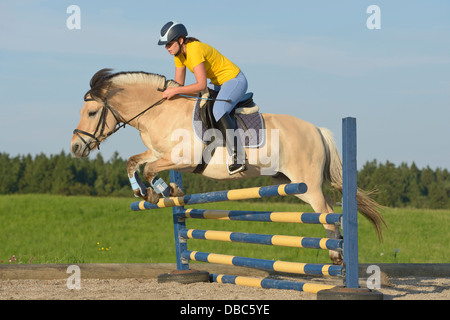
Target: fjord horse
x,y
302,151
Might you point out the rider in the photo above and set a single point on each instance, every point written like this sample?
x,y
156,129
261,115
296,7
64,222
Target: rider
x,y
207,63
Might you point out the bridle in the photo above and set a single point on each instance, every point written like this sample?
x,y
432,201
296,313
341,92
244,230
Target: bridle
x,y
102,122
100,126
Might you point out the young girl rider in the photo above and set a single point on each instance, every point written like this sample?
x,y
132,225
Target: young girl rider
x,y
207,63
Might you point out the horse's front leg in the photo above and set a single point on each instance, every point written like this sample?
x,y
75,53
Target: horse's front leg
x,y
139,189
150,174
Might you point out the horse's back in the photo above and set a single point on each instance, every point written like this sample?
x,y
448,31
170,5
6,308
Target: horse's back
x,y
302,150
290,127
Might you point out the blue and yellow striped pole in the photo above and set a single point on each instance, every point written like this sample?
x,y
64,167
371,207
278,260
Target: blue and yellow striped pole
x,y
269,283
267,239
228,195
264,216
268,265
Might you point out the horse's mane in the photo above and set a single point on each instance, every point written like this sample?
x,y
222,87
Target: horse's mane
x,y
105,83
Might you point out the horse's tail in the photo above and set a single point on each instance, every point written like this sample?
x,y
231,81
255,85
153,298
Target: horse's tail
x,y
368,207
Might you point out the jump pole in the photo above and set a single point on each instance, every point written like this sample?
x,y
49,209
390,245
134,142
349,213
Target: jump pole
x,y
178,225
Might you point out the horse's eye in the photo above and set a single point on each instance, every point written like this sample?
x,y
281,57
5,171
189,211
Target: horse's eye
x,y
92,113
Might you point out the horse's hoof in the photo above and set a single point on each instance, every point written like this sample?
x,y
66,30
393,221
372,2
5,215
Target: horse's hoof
x,y
137,193
336,258
151,196
175,191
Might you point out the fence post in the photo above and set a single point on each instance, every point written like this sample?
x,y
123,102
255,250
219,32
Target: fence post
x,y
179,223
350,219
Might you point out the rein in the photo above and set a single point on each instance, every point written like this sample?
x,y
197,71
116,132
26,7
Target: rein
x,y
201,98
196,97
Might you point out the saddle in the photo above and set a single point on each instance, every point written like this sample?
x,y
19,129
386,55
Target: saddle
x,y
245,106
245,113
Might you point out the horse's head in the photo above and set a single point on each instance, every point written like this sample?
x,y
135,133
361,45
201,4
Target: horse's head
x,y
98,120
128,92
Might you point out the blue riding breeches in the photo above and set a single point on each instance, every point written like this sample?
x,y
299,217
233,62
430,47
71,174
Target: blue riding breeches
x,y
234,90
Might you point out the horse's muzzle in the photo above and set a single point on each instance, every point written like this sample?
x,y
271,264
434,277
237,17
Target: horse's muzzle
x,y
79,149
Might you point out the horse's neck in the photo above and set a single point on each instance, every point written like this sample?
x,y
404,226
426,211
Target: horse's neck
x,y
135,99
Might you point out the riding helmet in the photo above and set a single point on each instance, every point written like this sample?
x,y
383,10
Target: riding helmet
x,y
170,31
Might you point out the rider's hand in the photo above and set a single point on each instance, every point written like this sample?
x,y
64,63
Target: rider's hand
x,y
169,93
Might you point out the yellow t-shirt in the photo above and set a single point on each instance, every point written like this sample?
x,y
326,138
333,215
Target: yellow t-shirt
x,y
218,68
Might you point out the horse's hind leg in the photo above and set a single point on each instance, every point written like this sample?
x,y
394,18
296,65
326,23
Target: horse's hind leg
x,y
333,232
316,199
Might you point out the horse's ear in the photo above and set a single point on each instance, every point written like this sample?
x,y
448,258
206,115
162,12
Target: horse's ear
x,y
100,83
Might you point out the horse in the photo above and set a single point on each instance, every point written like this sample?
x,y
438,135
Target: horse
x,y
303,152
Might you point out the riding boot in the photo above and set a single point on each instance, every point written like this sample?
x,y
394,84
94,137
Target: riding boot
x,y
234,145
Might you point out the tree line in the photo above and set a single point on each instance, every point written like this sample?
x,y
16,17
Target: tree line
x,y
406,186
396,186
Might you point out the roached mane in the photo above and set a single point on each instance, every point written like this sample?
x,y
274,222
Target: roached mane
x,y
105,83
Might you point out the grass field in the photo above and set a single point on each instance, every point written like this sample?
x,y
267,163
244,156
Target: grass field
x,y
58,229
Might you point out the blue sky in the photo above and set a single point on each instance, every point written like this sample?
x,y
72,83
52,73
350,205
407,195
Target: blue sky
x,y
316,60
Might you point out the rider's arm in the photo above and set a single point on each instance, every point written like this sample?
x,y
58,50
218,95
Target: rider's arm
x,y
180,75
201,82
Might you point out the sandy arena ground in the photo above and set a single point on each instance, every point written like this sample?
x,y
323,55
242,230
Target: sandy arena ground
x,y
409,288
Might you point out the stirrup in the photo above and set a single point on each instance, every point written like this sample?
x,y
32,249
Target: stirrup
x,y
242,167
